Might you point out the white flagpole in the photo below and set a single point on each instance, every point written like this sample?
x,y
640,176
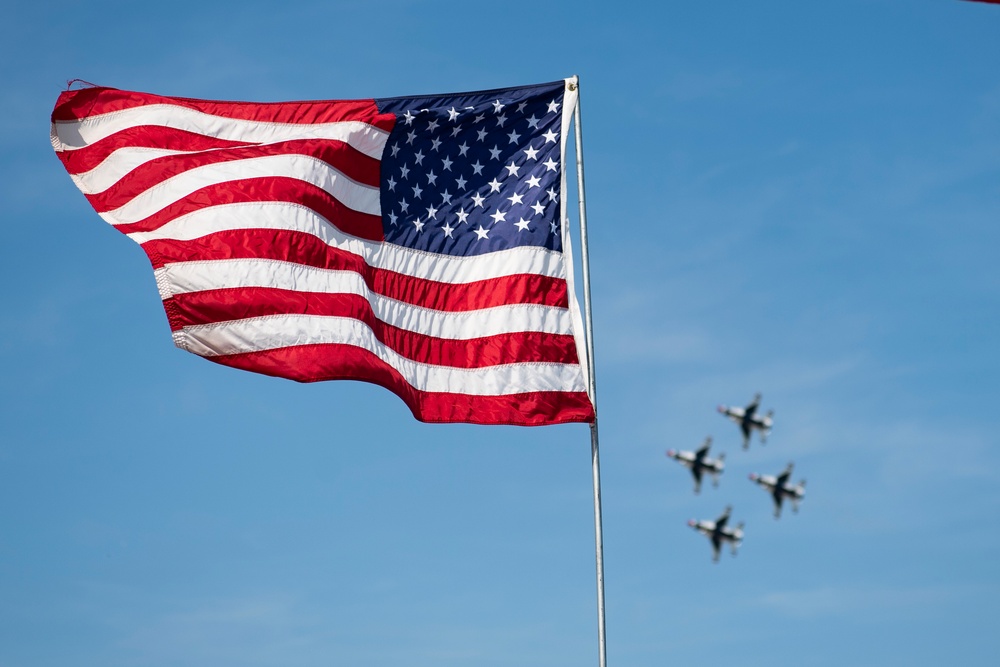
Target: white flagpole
x,y
594,450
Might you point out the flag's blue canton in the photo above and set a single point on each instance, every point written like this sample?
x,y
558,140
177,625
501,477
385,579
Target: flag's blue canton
x,y
467,175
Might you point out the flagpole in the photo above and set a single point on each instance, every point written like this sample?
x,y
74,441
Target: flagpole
x,y
594,449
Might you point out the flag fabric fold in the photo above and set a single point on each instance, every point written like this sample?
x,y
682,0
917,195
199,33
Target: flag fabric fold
x,y
418,243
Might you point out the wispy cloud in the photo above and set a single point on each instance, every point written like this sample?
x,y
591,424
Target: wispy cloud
x,y
647,346
867,602
685,85
250,631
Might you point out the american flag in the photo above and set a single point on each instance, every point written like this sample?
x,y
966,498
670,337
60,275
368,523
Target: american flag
x,y
416,243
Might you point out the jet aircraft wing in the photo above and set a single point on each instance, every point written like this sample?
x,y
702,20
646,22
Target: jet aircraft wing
x,y
778,496
696,473
703,451
785,474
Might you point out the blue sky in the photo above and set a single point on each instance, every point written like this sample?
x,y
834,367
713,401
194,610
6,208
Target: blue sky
x,y
795,198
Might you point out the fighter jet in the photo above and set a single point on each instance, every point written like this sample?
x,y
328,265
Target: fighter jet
x,y
748,420
717,532
780,488
699,462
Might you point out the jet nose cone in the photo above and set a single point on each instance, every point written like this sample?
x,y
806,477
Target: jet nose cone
x,y
692,523
721,408
671,452
753,477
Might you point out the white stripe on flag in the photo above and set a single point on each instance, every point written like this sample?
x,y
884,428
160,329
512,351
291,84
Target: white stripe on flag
x,y
269,333
117,165
73,135
187,277
354,195
388,256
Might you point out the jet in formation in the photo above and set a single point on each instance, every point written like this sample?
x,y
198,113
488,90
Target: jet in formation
x,y
717,532
699,463
779,488
748,420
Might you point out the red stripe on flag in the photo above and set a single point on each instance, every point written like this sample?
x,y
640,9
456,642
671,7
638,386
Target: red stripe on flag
x,y
306,249
344,158
266,189
84,159
78,104
231,304
312,363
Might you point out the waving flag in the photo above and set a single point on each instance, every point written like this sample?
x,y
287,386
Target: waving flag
x,y
416,242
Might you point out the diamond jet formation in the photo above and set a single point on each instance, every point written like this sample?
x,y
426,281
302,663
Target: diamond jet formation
x,y
699,463
779,488
717,532
748,420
